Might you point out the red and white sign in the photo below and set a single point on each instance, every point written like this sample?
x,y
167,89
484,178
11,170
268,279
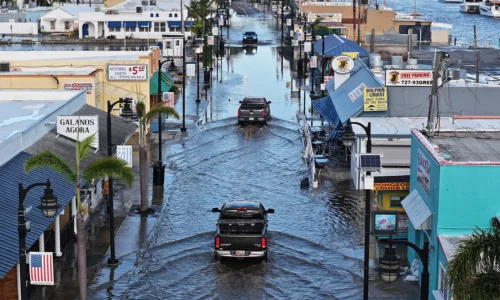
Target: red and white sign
x,y
41,268
327,78
78,86
408,77
128,72
210,40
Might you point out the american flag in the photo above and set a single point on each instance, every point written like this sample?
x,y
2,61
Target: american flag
x,y
41,268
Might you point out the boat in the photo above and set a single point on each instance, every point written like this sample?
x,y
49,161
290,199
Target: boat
x,y
470,6
451,1
490,8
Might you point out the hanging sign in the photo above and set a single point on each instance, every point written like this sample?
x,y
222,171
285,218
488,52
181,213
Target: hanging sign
x,y
191,69
323,86
342,64
81,126
210,40
307,46
221,22
215,31
41,268
375,99
327,78
313,63
408,77
288,22
128,72
300,36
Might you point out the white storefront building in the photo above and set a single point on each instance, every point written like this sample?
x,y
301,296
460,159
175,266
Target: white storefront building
x,y
63,19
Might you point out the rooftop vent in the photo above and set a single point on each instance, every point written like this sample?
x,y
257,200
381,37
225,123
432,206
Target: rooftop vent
x,y
138,10
456,74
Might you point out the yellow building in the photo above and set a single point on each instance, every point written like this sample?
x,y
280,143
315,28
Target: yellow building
x,y
106,75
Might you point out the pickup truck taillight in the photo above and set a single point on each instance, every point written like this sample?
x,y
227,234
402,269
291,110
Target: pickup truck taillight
x,y
264,243
239,113
217,243
264,113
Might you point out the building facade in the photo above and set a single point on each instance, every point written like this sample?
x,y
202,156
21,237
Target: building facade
x,y
453,183
63,19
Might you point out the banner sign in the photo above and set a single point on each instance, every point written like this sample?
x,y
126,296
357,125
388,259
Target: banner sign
x,y
392,186
408,77
128,72
210,40
423,172
307,46
83,126
41,268
288,22
314,62
375,99
327,78
78,86
191,69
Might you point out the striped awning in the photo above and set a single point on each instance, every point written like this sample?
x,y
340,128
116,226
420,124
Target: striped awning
x,y
326,109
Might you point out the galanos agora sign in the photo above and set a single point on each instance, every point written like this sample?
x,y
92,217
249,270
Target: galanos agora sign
x,y
80,127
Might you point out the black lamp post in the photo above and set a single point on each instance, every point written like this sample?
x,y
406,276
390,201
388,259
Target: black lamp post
x,y
196,45
158,166
127,117
313,70
323,64
348,140
48,206
389,269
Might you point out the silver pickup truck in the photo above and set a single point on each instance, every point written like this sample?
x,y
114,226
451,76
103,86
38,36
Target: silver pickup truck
x,y
254,109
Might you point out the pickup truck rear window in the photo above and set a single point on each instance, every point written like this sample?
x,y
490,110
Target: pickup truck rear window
x,y
241,214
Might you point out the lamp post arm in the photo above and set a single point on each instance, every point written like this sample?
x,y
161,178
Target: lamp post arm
x,y
422,253
24,191
361,125
368,131
111,105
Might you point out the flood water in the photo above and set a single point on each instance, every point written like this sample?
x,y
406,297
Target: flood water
x,y
315,236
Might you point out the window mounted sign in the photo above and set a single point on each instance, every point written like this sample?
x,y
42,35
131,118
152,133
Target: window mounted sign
x,y
358,92
342,64
392,186
81,126
375,99
424,172
127,72
78,86
408,77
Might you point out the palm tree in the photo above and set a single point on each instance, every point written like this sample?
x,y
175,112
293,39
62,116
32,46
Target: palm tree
x,y
97,169
200,10
144,119
474,271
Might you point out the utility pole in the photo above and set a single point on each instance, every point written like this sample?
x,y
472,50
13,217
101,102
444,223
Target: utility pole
x,y
435,77
474,46
359,22
372,41
478,62
282,2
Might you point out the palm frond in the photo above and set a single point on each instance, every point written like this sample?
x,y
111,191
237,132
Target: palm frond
x,y
109,167
84,147
162,110
485,286
475,257
50,160
141,109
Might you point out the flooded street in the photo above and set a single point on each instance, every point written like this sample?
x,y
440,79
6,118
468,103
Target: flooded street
x,y
315,237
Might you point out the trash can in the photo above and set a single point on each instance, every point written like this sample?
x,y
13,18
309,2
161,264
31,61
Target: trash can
x,y
158,174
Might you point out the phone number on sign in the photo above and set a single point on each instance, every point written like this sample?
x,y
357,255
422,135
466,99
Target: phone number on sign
x,y
416,82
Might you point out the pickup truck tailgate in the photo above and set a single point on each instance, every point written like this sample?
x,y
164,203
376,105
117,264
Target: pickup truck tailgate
x,y
241,226
240,242
251,112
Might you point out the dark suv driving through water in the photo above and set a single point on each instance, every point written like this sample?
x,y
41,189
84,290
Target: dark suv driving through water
x,y
241,230
250,37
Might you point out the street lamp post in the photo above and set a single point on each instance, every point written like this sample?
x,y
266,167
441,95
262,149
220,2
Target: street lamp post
x,y
127,117
348,140
49,207
386,272
323,64
159,167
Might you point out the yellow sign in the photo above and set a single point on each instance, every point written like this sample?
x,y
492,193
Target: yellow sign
x,y
392,186
375,99
352,55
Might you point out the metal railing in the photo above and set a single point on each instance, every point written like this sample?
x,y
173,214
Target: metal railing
x,y
308,152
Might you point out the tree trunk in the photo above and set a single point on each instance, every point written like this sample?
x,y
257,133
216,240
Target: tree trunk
x,y
82,255
143,168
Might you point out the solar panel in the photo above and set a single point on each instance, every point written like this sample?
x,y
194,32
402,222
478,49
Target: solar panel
x,y
370,161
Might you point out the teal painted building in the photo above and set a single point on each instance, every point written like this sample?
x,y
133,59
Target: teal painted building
x,y
454,180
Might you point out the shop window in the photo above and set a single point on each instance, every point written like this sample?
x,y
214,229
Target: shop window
x,y
67,25
443,283
395,201
128,29
163,27
114,29
52,25
157,27
168,45
144,28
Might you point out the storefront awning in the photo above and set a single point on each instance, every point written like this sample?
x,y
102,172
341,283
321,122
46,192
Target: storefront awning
x,y
166,83
418,212
114,24
143,24
174,24
12,174
130,24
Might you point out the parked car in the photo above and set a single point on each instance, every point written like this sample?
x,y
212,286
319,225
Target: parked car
x,y
254,109
250,37
241,230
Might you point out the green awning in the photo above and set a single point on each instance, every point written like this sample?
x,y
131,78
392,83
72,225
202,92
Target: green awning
x,y
166,83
